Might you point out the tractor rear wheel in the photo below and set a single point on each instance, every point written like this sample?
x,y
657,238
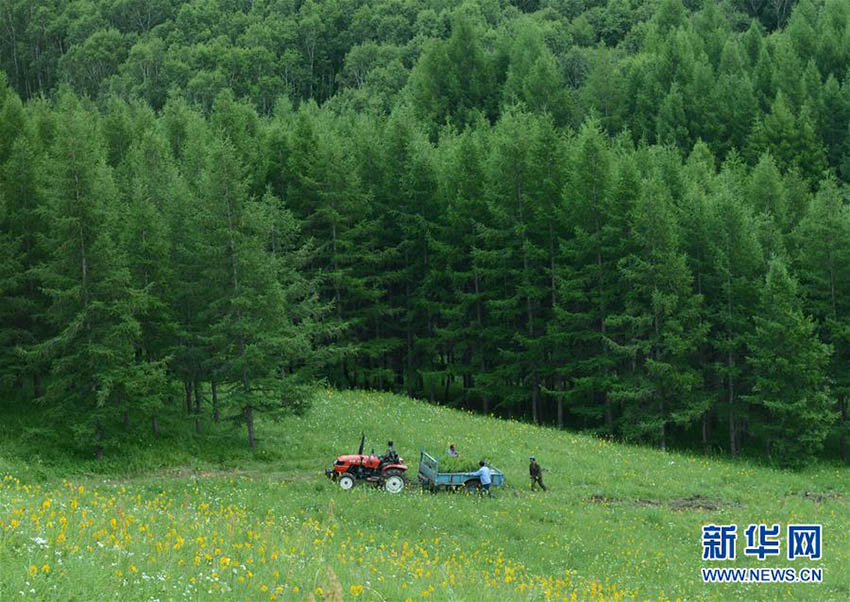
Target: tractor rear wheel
x,y
347,481
394,481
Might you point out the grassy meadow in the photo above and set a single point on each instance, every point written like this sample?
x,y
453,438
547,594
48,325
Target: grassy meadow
x,y
216,522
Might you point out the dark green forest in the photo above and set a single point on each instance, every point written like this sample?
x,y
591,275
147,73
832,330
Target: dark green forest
x,y
624,216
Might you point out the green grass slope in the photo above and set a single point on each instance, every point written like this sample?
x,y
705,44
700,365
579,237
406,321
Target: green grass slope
x,y
214,522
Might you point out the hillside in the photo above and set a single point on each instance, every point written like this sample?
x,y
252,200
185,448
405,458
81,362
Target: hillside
x,y
619,522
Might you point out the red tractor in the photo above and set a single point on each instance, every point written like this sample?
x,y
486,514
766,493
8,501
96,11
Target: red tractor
x,y
382,471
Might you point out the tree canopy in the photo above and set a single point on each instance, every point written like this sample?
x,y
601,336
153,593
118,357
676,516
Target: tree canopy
x,y
626,216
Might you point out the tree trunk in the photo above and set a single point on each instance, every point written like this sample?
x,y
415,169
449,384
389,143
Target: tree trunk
x,y
126,419
409,367
216,413
98,441
705,433
552,266
187,387
36,386
155,426
249,420
600,287
337,302
733,427
535,399
485,398
843,423
560,413
730,363
198,394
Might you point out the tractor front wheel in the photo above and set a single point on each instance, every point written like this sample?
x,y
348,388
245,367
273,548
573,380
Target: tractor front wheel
x,y
394,481
347,481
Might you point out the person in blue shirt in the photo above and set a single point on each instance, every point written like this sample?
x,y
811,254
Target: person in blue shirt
x,y
483,473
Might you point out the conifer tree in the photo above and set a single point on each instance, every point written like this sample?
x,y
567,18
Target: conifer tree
x,y
405,201
465,335
189,294
791,139
22,303
454,79
517,259
660,328
793,404
93,307
588,280
822,243
261,329
146,240
694,212
326,193
731,291
373,329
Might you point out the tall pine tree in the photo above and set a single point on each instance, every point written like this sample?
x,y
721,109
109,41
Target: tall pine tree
x,y
794,407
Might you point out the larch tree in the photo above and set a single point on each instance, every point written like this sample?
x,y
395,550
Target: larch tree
x,y
822,251
260,328
589,285
93,306
660,327
23,305
794,409
731,290
146,239
518,258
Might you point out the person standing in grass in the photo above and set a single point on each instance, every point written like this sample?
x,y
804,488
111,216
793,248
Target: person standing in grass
x,y
453,453
483,473
536,473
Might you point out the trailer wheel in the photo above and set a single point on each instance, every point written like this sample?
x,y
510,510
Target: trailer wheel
x,y
472,485
347,481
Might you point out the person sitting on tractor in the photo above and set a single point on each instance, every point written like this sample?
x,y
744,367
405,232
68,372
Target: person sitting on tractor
x,y
391,455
